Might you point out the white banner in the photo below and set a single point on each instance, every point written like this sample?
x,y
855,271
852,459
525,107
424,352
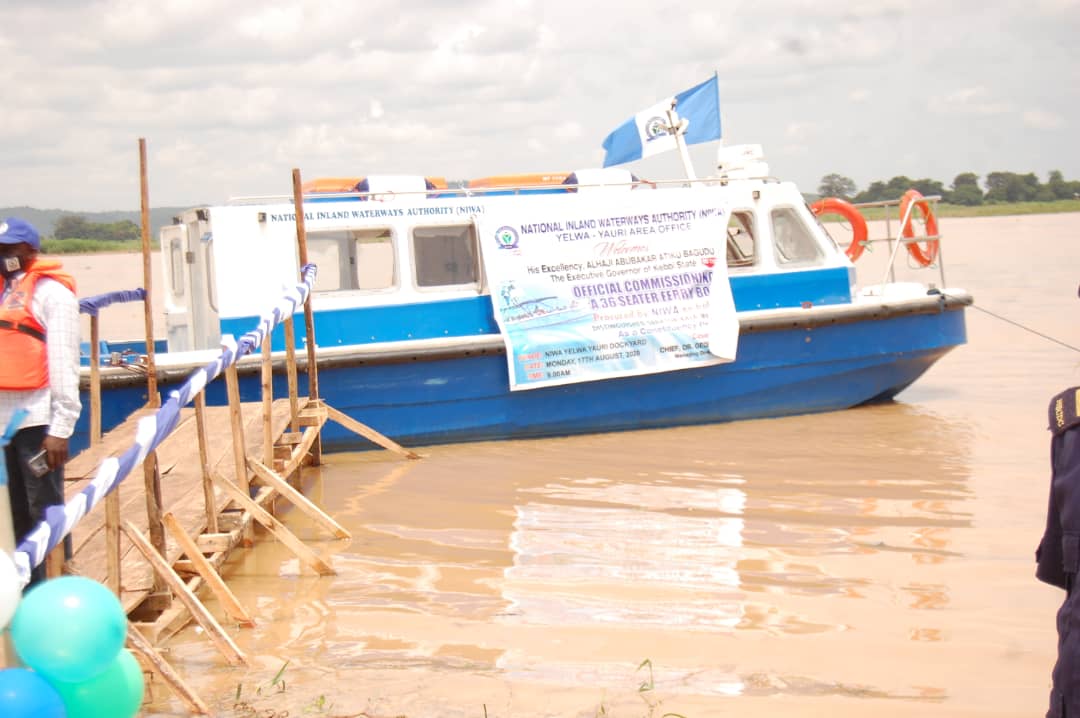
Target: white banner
x,y
596,286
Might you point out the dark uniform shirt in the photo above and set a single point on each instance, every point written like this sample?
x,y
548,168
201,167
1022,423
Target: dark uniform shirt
x,y
1058,555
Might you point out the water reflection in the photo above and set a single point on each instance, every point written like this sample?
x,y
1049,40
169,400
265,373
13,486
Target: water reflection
x,y
519,558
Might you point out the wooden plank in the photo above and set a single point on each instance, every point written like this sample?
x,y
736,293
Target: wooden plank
x,y
213,581
277,528
214,631
298,499
367,432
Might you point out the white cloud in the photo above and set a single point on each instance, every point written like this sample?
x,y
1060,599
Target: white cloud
x,y
1043,120
231,96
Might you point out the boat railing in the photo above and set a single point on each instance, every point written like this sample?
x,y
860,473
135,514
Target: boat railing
x,y
897,240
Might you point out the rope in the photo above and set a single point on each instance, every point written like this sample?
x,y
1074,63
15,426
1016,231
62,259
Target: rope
x,y
151,431
1021,326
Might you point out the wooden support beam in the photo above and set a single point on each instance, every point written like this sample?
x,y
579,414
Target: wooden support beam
x,y
204,463
140,645
232,387
112,539
213,580
214,631
298,499
267,377
278,529
290,369
152,482
367,432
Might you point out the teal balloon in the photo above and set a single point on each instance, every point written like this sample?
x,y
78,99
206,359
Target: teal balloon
x,y
117,692
25,694
69,629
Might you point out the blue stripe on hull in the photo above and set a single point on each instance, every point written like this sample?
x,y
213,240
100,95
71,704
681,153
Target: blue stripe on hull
x,y
778,373
469,317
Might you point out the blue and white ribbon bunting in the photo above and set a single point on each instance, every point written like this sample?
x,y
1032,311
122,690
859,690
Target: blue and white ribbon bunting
x,y
151,431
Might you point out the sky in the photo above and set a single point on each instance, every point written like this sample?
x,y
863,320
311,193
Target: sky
x,y
231,96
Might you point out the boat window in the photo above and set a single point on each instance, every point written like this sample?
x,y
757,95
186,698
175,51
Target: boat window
x,y
176,267
793,239
740,239
373,256
445,256
351,260
329,251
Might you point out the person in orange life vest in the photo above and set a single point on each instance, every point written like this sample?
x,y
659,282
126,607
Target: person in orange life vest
x,y
39,372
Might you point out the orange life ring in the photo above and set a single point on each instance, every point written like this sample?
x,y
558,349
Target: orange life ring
x,y
924,257
835,205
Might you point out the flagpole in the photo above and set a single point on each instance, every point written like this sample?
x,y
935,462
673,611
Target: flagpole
x,y
677,127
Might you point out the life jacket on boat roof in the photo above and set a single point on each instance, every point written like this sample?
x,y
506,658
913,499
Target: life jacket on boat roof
x,y
371,186
537,183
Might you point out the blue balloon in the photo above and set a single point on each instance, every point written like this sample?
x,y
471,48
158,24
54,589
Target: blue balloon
x,y
69,629
25,694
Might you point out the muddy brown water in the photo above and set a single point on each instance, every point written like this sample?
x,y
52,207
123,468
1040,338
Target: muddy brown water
x,y
876,561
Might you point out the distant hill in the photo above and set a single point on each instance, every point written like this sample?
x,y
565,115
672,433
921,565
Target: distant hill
x,y
45,219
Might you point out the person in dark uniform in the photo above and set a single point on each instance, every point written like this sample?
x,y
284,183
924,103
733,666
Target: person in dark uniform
x,y
1058,555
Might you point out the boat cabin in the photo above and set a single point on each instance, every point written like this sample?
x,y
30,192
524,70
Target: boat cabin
x,y
399,258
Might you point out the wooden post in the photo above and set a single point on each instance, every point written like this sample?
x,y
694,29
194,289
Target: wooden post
x,y
309,318
267,402
148,305
112,501
209,501
95,380
290,368
152,482
151,474
232,388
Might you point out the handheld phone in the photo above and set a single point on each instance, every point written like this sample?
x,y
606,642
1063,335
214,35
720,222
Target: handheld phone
x,y
39,463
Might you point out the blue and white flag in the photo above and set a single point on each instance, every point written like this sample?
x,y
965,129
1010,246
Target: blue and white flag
x,y
646,133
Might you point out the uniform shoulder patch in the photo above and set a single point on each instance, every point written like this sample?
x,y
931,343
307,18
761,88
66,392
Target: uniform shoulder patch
x,y
1065,410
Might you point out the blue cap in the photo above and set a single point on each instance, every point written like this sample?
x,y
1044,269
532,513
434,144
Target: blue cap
x,y
14,230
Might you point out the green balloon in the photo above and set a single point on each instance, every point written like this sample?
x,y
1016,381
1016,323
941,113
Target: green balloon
x,y
116,693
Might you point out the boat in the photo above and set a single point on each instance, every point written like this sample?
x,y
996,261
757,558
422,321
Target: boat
x,y
552,304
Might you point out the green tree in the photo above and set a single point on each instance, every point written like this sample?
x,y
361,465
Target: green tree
x,y
965,179
835,185
876,192
70,226
1011,187
73,226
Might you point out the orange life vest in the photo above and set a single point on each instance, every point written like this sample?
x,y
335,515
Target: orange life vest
x,y
24,361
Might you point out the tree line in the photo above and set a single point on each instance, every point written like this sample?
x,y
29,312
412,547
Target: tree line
x,y
73,226
965,188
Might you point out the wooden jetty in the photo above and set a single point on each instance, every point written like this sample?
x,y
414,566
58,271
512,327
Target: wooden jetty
x,y
161,542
